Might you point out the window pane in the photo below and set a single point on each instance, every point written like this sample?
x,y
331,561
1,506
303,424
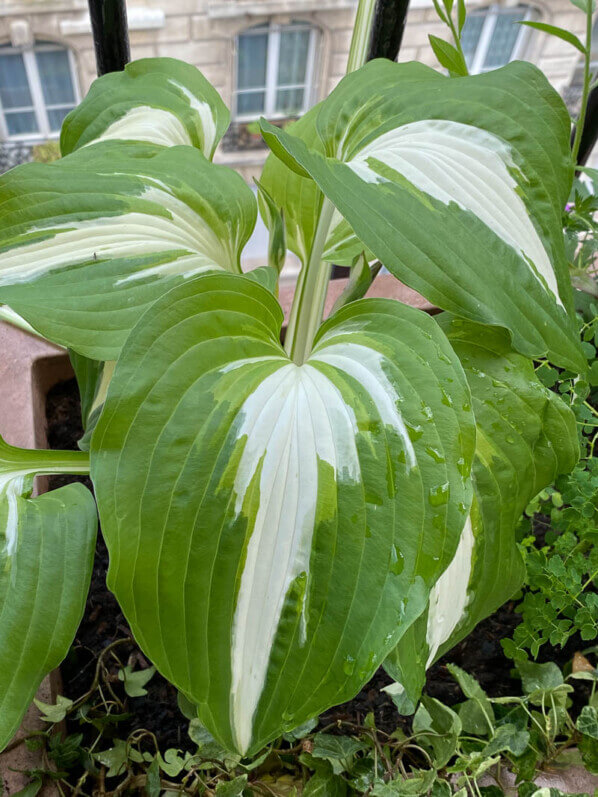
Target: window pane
x,y
292,62
504,37
289,100
20,122
55,77
14,86
252,102
471,35
56,117
251,61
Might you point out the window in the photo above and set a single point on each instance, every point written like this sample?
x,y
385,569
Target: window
x,y
37,90
491,36
275,67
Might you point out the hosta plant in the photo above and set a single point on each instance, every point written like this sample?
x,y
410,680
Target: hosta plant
x,y
282,519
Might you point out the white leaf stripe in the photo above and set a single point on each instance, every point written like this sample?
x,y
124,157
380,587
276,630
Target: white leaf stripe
x,y
156,100
429,226
454,162
70,243
402,357
144,123
450,594
237,387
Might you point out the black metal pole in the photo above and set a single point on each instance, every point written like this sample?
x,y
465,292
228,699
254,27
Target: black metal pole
x,y
110,34
388,25
387,29
589,134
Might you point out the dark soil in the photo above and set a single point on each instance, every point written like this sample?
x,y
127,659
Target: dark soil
x,y
103,623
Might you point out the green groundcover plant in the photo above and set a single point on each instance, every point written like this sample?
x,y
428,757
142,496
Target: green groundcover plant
x,y
282,519
480,746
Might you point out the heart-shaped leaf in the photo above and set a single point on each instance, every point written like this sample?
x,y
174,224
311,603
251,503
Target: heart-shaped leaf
x,y
526,436
456,186
273,528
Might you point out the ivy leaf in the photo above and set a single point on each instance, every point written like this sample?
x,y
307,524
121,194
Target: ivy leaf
x,y
588,748
115,758
473,718
300,731
437,727
173,762
507,738
232,788
471,689
338,750
539,677
325,784
153,785
134,682
420,783
54,713
587,722
207,746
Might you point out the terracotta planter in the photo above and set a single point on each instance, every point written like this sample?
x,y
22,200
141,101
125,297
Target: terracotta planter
x,y
29,368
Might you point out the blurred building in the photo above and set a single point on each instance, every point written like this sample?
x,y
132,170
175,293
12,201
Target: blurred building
x,y
266,57
270,57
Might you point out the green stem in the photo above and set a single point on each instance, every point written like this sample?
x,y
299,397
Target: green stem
x,y
312,286
360,42
42,461
457,40
310,294
586,85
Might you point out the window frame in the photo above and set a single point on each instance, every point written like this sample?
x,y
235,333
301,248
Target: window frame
x,y
271,87
491,14
38,106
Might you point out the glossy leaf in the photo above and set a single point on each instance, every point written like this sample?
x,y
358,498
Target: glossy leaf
x,y
526,436
155,100
89,242
456,186
274,528
46,555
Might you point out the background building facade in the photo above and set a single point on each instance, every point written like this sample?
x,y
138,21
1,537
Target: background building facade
x,y
266,57
270,57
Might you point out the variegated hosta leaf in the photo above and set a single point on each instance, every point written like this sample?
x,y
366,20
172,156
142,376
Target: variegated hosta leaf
x,y
526,436
93,378
273,528
157,100
46,556
89,242
457,186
